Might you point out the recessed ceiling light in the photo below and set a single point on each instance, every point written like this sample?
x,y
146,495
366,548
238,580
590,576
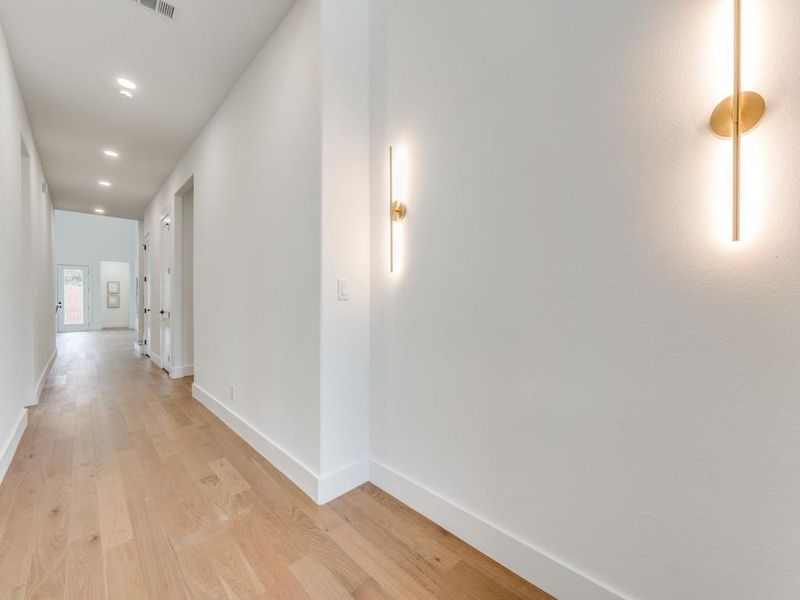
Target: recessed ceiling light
x,y
104,183
99,211
126,93
126,83
111,153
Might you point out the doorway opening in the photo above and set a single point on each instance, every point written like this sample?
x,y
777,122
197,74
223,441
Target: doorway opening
x,y
27,282
165,310
186,211
182,326
147,302
74,292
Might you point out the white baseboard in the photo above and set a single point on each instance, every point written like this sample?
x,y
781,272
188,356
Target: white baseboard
x,y
179,372
546,571
340,482
301,475
32,397
11,445
156,359
549,573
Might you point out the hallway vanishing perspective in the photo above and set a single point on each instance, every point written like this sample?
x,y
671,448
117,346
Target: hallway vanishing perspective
x,y
125,487
399,300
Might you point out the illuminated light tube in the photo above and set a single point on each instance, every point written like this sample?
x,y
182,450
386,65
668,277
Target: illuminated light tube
x,y
736,115
397,209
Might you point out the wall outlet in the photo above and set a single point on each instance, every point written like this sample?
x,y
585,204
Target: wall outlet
x,y
233,393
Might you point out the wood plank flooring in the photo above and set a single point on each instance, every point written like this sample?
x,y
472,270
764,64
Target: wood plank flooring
x,y
125,487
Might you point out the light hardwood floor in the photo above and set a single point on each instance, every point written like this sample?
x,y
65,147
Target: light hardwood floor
x,y
125,487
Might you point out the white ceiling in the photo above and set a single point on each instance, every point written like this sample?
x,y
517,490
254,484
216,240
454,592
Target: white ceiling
x,y
67,55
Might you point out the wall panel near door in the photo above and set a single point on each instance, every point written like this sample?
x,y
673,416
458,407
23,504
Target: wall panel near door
x,y
117,294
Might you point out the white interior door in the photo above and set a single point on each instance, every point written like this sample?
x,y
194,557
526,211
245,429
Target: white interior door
x,y
73,298
166,293
147,299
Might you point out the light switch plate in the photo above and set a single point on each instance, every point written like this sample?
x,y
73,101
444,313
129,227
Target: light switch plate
x,y
343,288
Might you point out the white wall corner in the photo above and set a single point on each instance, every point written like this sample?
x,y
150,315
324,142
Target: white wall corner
x,y
10,447
179,372
296,471
549,573
344,400
340,482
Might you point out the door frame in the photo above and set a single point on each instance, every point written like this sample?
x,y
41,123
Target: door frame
x,y
179,367
166,270
147,295
87,298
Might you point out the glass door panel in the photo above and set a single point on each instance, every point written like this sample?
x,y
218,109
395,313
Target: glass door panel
x,y
73,298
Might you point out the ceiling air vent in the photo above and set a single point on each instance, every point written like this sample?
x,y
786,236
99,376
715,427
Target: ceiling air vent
x,y
160,7
165,9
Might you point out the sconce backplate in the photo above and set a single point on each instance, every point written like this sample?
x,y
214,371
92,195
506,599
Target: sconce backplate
x,y
753,107
398,211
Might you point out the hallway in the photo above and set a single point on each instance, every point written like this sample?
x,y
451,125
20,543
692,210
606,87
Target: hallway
x,y
125,487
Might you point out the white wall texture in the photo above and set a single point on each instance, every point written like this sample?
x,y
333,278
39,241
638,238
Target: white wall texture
x,y
573,349
280,214
573,359
187,280
83,239
257,219
344,350
27,307
121,272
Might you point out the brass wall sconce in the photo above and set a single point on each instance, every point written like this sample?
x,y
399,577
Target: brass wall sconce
x,y
397,210
736,115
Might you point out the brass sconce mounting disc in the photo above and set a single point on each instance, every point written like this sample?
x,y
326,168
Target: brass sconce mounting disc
x,y
753,107
398,211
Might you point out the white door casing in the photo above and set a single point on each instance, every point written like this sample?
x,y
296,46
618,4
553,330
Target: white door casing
x,y
147,302
165,310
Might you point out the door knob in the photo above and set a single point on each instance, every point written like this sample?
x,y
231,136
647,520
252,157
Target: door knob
x,y
161,312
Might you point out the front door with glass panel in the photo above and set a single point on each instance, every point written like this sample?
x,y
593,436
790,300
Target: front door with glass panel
x,y
73,298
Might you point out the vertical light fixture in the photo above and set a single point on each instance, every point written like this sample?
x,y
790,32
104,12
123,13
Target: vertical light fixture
x,y
736,115
397,208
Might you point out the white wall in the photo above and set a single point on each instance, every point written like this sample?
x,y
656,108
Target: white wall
x,y
280,178
187,281
256,172
573,368
115,317
573,350
82,239
27,308
344,350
